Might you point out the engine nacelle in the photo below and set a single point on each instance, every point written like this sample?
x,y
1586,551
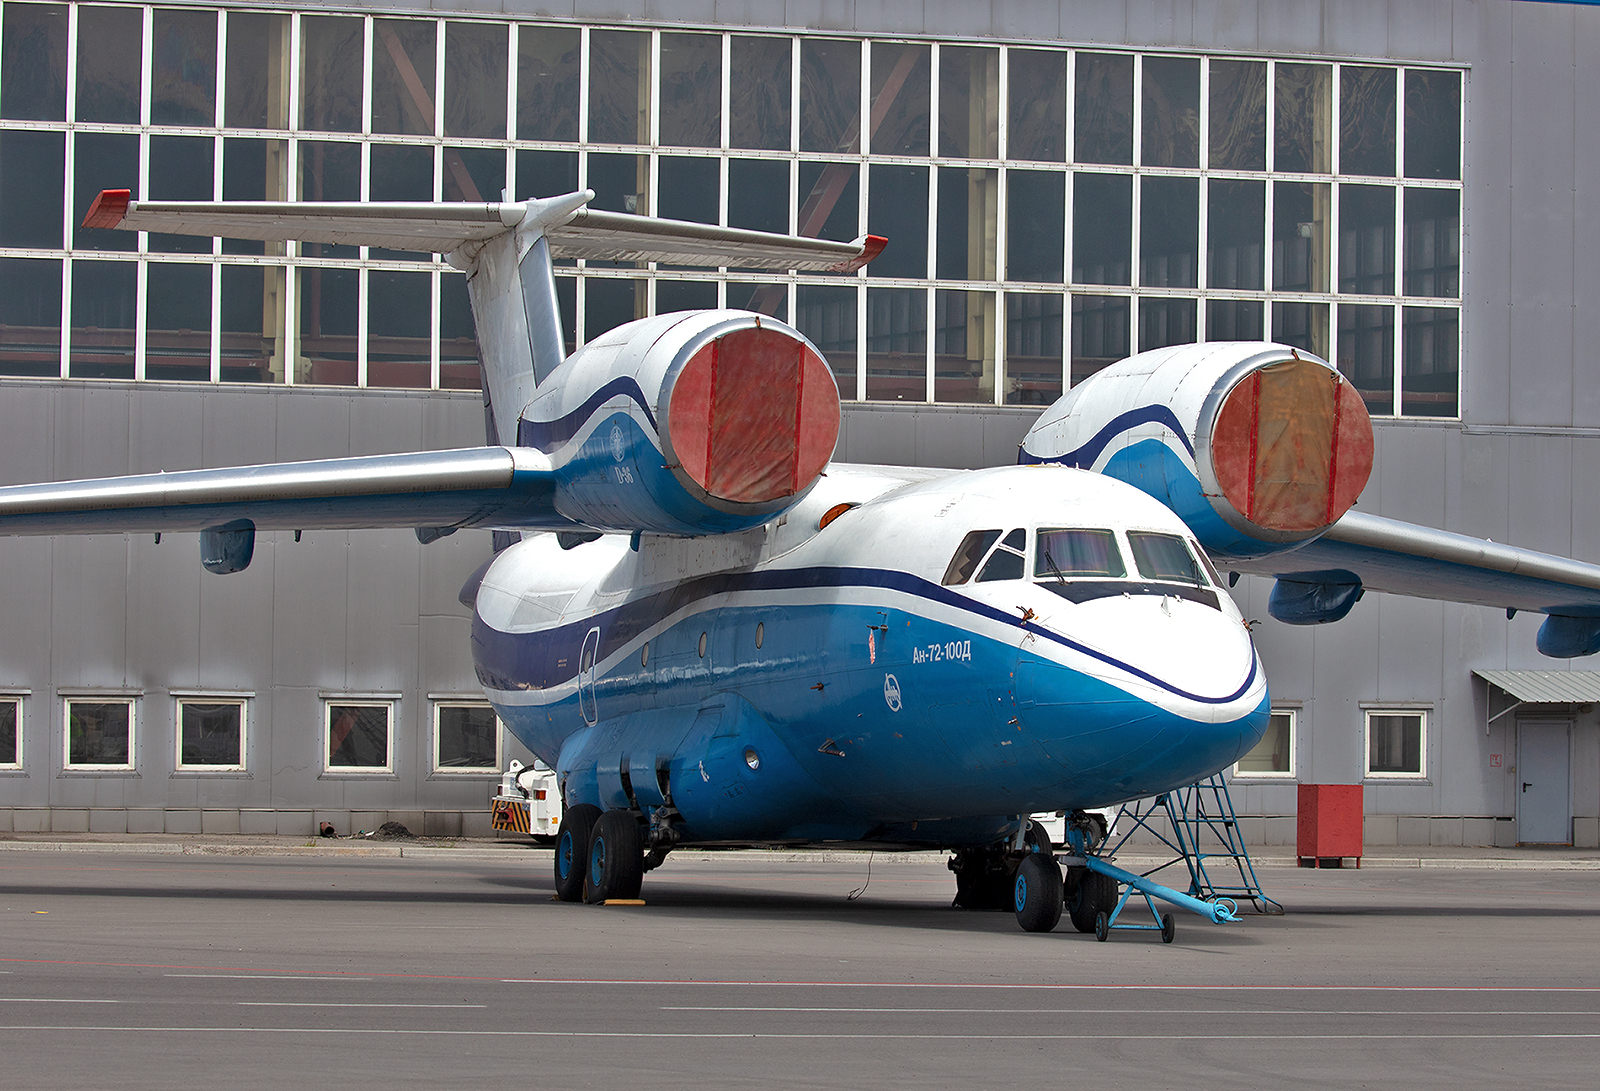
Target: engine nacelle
x,y
696,422
1257,447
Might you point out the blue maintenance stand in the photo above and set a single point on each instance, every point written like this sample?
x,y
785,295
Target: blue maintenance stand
x,y
1196,822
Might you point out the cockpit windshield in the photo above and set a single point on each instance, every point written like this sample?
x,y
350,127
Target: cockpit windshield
x,y
1069,554
1163,557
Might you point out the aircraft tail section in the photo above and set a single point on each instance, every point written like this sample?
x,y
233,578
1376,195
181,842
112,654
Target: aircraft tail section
x,y
506,249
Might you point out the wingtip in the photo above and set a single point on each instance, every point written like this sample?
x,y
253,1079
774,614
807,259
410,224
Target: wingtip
x,y
108,209
871,247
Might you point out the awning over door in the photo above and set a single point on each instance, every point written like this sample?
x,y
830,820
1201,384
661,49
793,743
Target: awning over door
x,y
1541,688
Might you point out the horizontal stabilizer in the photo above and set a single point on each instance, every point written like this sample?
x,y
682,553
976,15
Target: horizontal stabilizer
x,y
473,487
447,226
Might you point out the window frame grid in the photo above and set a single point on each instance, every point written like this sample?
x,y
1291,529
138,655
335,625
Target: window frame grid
x,y
1204,294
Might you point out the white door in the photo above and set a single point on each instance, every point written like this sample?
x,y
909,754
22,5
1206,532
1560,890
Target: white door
x,y
1544,781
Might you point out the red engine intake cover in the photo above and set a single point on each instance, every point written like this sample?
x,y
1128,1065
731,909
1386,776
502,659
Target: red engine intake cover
x,y
754,416
1292,446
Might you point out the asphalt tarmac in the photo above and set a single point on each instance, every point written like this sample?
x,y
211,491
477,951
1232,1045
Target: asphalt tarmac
x,y
457,970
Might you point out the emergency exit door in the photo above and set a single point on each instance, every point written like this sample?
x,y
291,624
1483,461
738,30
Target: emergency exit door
x,y
1544,782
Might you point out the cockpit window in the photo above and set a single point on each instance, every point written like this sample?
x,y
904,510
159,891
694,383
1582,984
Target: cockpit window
x,y
1065,554
1003,565
1163,557
971,551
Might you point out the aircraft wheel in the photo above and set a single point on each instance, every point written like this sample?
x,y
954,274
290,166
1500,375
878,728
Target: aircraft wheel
x,y
572,850
1088,892
616,858
1037,893
1169,928
1102,927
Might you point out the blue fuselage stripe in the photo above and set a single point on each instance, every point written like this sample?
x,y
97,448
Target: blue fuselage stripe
x,y
1086,456
548,435
500,667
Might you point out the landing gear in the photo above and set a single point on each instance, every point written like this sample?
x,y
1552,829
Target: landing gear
x,y
985,877
572,850
616,858
1037,892
1089,896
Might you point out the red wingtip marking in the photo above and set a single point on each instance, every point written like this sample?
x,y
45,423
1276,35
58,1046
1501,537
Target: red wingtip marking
x,y
871,248
108,209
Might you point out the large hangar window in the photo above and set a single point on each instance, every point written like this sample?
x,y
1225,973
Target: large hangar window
x,y
1049,209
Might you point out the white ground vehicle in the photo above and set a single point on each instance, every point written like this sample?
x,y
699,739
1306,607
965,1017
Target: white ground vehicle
x,y
527,801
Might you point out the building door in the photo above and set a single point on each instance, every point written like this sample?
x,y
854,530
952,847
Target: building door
x,y
1544,782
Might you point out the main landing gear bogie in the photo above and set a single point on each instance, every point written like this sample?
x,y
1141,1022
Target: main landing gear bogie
x,y
601,855
986,877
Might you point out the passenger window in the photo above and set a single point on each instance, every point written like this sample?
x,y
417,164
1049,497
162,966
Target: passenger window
x,y
1163,557
1067,553
971,551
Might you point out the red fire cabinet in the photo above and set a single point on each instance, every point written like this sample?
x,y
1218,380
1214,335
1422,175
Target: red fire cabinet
x,y
1328,830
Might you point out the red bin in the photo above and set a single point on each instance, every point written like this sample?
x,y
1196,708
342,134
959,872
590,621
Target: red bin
x,y
1328,827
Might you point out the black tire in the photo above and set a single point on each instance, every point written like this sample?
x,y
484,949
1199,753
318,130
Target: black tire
x,y
616,858
1037,893
1088,893
1102,927
1169,928
572,850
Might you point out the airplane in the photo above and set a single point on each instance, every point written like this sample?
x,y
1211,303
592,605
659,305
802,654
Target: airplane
x,y
717,636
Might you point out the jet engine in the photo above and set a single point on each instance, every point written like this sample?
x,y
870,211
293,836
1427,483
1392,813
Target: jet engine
x,y
691,423
1257,447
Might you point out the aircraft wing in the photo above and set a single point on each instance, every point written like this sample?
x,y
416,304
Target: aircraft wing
x,y
575,232
444,490
1370,552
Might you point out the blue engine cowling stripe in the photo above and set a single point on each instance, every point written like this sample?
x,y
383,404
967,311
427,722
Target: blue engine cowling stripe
x,y
623,624
548,435
1085,456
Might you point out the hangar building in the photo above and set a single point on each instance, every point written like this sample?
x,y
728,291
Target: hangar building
x,y
1401,187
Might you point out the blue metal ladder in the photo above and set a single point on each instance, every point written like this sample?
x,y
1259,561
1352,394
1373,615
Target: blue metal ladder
x,y
1200,826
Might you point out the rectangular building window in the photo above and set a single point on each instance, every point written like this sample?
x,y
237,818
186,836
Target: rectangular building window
x,y
466,738
211,734
1171,112
826,313
1102,228
183,68
1397,744
1037,116
901,108
10,732
1273,756
969,92
475,81
1430,371
1035,225
691,90
30,315
619,81
1433,124
109,47
1035,357
963,347
547,83
1366,120
1302,128
330,73
830,95
257,95
1238,115
359,737
759,93
33,62
99,733
1104,122
897,344
32,164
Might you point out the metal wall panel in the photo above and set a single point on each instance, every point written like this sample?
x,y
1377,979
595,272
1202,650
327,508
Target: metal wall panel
x,y
1228,24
